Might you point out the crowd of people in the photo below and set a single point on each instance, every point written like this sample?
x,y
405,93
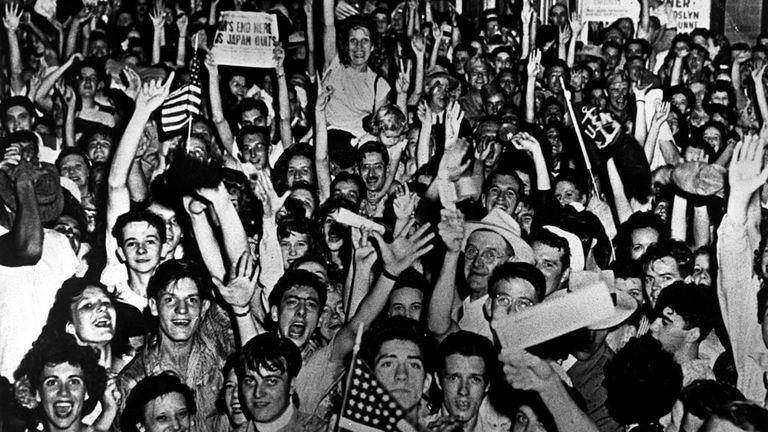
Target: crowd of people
x,y
405,180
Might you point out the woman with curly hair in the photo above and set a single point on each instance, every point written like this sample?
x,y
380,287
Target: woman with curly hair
x,y
68,382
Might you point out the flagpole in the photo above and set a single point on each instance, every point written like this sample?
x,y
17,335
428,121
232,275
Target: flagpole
x,y
348,381
189,127
579,136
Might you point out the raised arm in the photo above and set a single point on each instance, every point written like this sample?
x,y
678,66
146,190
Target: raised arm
x,y
526,16
23,244
533,69
67,94
181,44
232,232
217,109
83,17
396,257
640,126
451,230
158,24
525,371
11,21
150,97
322,163
526,142
577,25
204,237
402,84
658,119
418,45
309,8
50,80
286,135
738,61
238,294
424,146
762,103
329,32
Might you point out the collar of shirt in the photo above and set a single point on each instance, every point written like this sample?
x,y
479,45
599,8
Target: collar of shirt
x,y
279,423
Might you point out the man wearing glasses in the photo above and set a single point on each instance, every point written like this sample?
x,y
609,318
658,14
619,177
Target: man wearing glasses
x,y
486,244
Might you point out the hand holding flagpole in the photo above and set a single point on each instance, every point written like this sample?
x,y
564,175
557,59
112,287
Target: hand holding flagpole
x,y
576,127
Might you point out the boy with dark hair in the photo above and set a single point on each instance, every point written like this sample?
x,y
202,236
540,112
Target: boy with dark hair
x,y
664,263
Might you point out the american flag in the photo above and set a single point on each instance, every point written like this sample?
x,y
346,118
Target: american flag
x,y
369,408
185,102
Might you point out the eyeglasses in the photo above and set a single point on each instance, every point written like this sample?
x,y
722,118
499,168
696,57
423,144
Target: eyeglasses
x,y
508,302
489,256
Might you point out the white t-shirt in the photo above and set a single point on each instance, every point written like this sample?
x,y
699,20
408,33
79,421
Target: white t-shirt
x,y
27,294
353,96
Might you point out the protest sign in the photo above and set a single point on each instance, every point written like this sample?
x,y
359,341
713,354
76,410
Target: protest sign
x,y
246,39
553,318
688,14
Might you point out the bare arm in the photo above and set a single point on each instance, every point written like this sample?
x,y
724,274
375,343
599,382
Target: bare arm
x,y
576,27
286,135
622,205
424,146
659,117
329,32
68,95
526,16
11,21
322,163
217,109
24,242
82,17
309,12
533,69
679,224
181,47
419,48
238,293
205,238
640,126
738,61
232,231
762,103
451,230
158,24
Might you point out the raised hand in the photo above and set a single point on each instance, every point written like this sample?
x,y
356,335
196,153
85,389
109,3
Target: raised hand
x,y
404,79
565,34
67,94
158,16
265,192
661,113
182,23
534,63
82,17
110,399
437,32
278,54
525,371
419,45
405,202
243,279
745,175
152,94
215,195
365,253
526,14
453,118
405,249
757,73
640,91
577,24
483,149
424,113
193,206
742,57
11,158
451,229
324,93
526,142
451,166
211,65
12,17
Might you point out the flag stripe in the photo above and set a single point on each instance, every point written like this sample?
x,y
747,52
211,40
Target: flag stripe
x,y
351,425
186,101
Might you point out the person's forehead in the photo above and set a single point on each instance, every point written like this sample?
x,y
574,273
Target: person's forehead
x,y
504,180
139,229
399,348
627,283
372,157
643,232
359,33
61,369
302,194
299,160
184,287
515,288
460,363
87,71
254,138
301,291
73,159
483,238
346,185
296,236
541,250
16,110
252,113
565,185
407,294
264,372
503,55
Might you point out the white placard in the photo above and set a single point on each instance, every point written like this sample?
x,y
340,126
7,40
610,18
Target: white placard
x,y
688,14
246,39
554,318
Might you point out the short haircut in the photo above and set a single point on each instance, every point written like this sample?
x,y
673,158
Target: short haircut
x,y
352,177
52,351
692,302
579,182
388,117
548,238
93,131
720,86
149,389
249,104
61,313
271,352
644,45
675,249
298,278
172,271
746,415
518,270
69,151
14,101
372,147
252,130
398,328
683,90
467,344
702,397
635,222
641,374
138,216
504,171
